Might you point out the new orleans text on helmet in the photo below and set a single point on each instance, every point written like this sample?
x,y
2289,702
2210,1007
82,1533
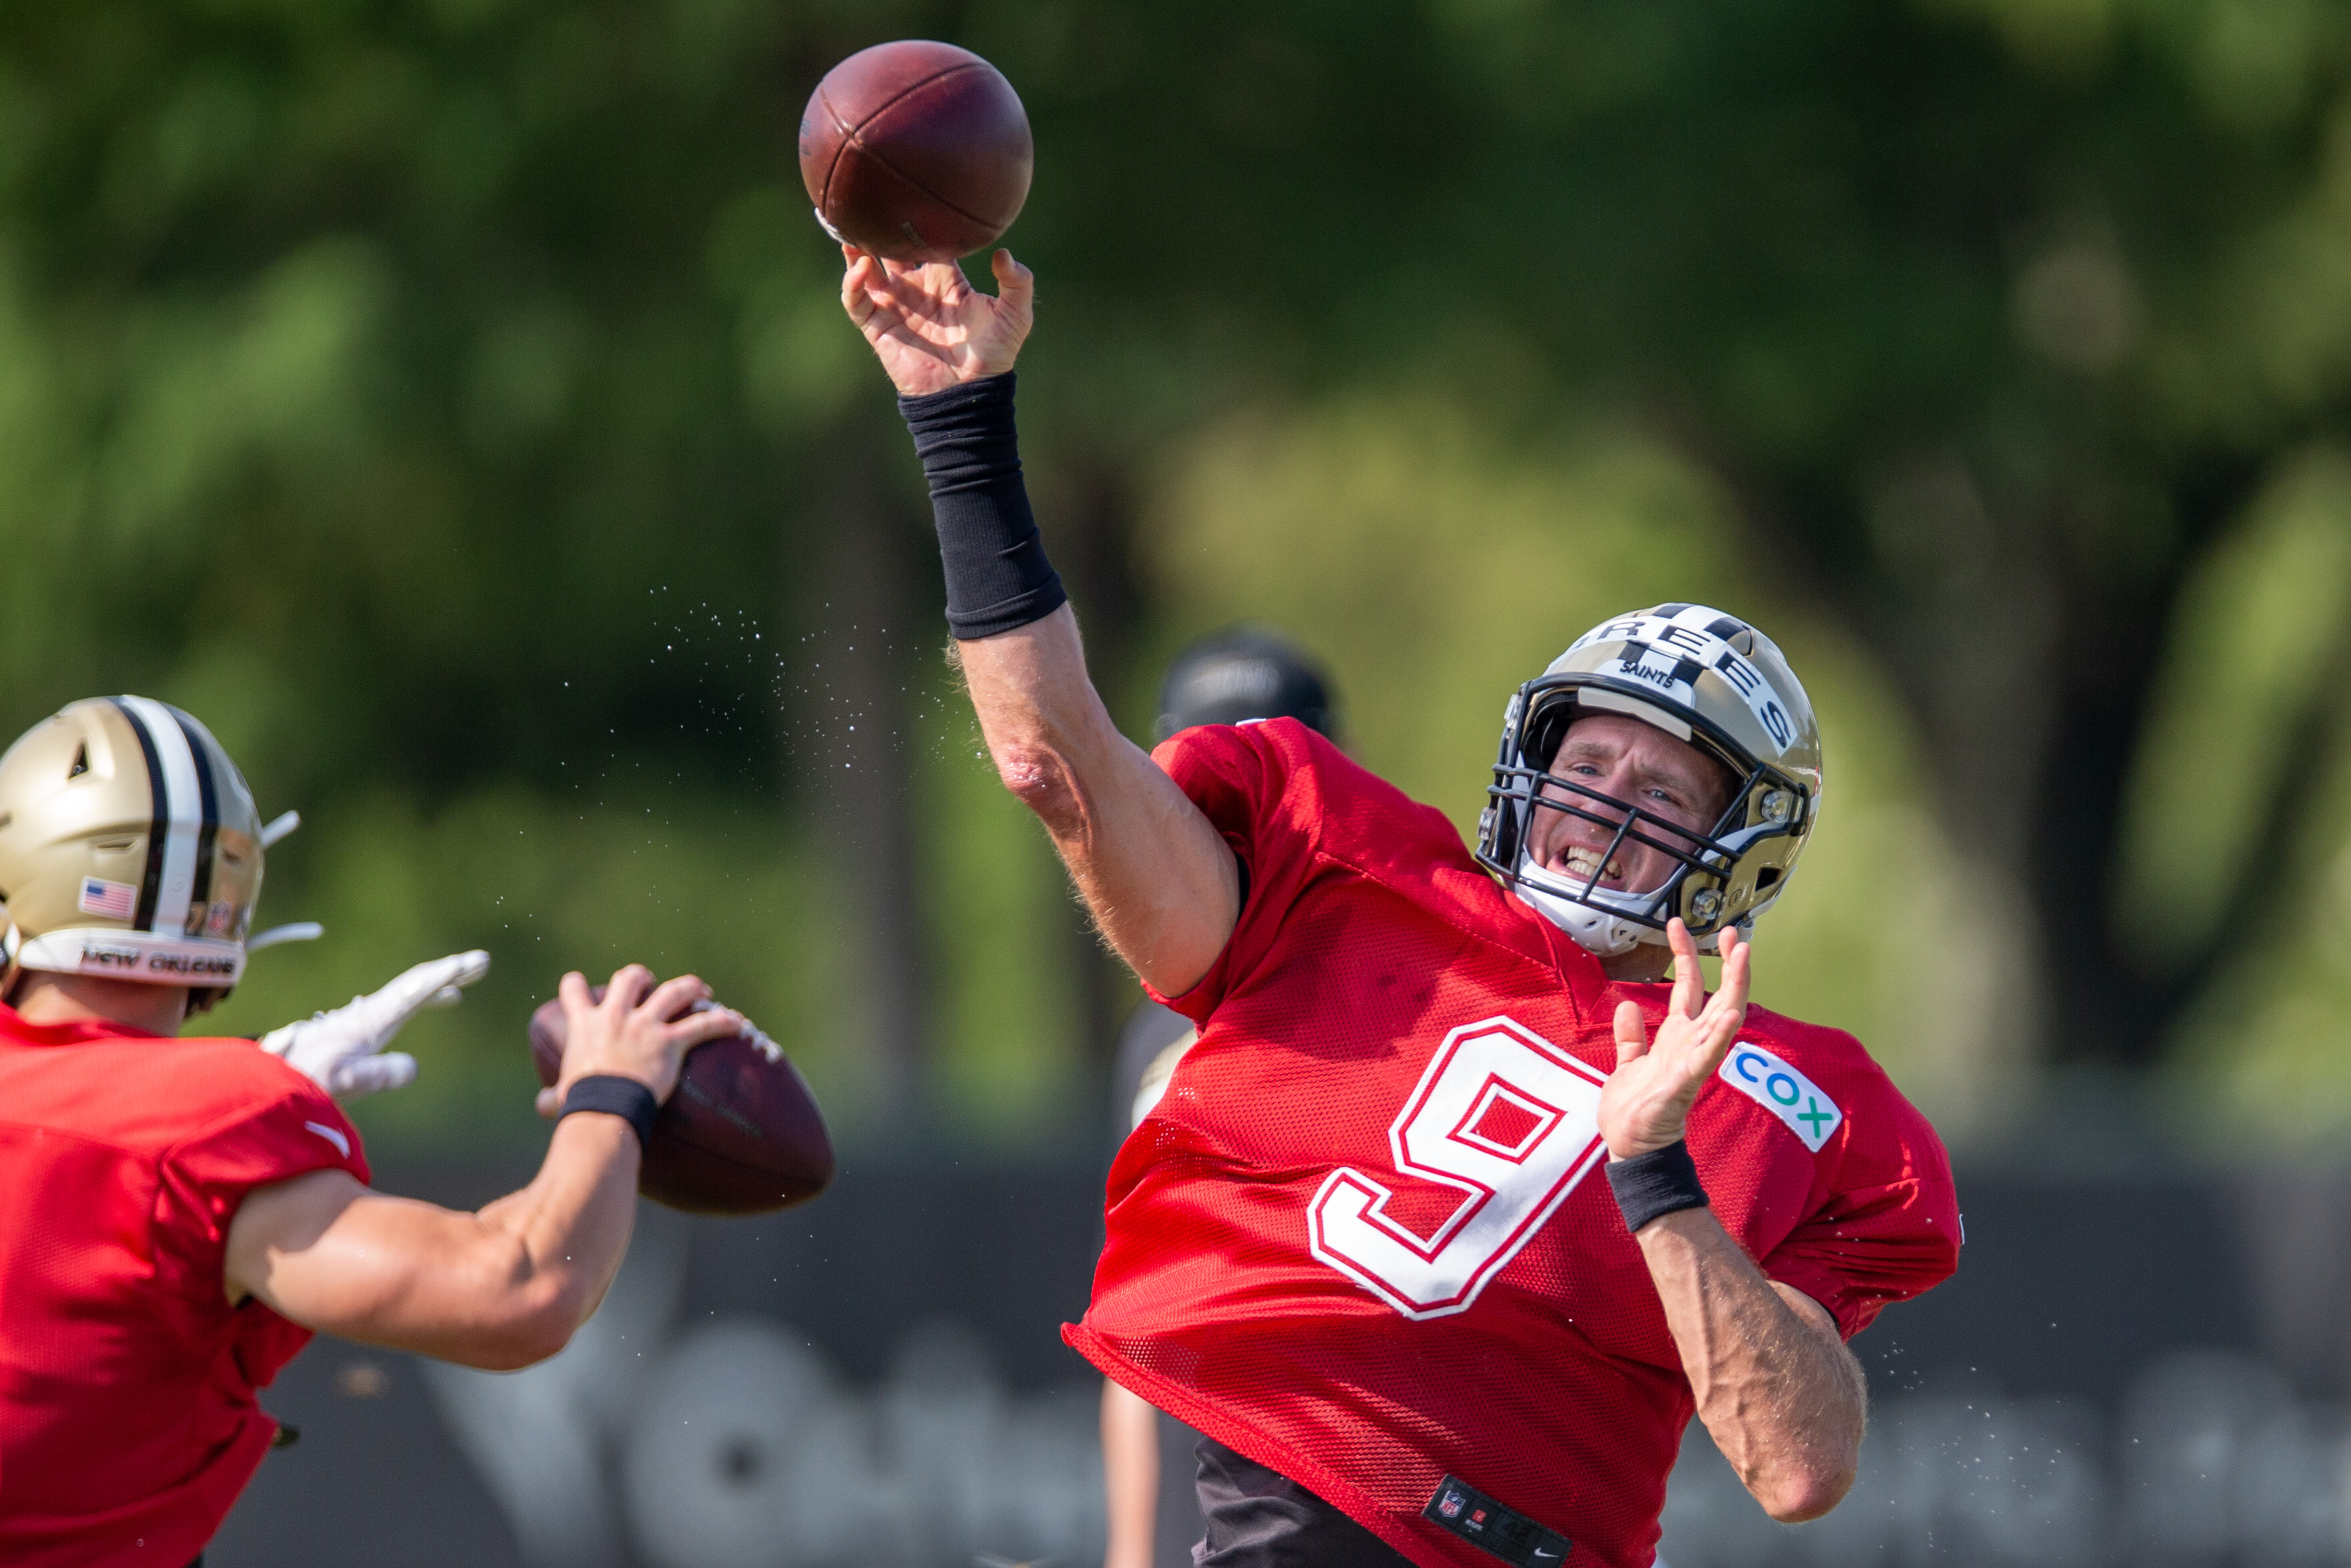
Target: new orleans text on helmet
x,y
103,958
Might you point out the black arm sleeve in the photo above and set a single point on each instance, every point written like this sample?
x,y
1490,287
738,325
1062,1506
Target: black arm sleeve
x,y
998,576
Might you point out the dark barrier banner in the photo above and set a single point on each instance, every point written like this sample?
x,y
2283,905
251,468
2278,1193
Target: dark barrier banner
x,y
2138,1370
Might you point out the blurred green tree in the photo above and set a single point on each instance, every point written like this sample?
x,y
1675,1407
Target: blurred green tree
x,y
1995,322
448,401
433,398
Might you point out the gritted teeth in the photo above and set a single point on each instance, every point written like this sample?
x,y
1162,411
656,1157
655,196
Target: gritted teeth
x,y
1583,864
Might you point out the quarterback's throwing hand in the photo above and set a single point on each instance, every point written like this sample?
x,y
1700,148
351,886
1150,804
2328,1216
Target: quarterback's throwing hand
x,y
1646,1102
929,327
343,1051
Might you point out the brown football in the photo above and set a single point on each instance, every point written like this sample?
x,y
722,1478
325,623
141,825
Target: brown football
x,y
742,1135
915,151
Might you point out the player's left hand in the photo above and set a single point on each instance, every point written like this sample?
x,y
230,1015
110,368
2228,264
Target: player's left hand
x,y
343,1051
1646,1103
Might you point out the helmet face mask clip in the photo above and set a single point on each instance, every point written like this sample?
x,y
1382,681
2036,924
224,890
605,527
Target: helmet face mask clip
x,y
1709,681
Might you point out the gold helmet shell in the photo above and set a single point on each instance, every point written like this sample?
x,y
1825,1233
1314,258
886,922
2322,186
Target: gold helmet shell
x,y
1711,681
129,848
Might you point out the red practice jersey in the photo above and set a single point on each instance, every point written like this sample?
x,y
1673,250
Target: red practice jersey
x,y
1364,1238
128,1421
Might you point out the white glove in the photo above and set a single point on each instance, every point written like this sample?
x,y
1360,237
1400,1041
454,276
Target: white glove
x,y
343,1051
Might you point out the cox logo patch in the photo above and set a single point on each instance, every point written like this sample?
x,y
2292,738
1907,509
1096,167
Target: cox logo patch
x,y
1782,1090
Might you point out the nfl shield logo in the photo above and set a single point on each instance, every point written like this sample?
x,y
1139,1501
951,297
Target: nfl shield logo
x,y
1451,1505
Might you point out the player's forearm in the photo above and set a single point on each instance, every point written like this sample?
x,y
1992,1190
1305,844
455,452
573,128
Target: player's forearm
x,y
498,1289
1052,738
569,1228
1778,1391
1159,880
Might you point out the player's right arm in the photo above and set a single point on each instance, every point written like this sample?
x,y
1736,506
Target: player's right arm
x,y
1778,1391
508,1285
1159,880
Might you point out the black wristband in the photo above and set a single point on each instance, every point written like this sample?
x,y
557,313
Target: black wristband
x,y
998,576
1661,1182
623,1097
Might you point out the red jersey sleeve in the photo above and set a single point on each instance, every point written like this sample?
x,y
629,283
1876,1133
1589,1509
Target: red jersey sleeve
x,y
1889,1230
290,1129
1253,783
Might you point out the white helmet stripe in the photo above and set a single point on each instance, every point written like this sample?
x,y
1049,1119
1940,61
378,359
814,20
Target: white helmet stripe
x,y
208,803
1648,713
181,810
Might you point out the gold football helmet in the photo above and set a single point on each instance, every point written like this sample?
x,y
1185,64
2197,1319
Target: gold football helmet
x,y
1711,681
129,848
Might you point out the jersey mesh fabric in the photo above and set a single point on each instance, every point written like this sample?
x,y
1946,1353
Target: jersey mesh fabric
x,y
128,1418
1369,942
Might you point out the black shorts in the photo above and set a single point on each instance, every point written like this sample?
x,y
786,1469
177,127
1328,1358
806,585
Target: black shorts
x,y
1259,1518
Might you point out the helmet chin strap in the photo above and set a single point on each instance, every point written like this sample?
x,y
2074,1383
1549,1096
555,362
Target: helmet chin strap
x,y
1596,931
1602,932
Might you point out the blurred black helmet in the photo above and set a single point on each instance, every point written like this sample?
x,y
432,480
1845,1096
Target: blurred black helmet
x,y
1244,673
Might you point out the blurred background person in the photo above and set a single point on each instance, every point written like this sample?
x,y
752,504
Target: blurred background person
x,y
1234,676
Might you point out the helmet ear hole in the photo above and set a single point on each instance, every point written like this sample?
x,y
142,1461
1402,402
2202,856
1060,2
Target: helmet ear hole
x,y
80,761
1544,733
1501,825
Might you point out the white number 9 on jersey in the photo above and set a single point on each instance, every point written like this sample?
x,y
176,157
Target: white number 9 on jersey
x,y
1501,1116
